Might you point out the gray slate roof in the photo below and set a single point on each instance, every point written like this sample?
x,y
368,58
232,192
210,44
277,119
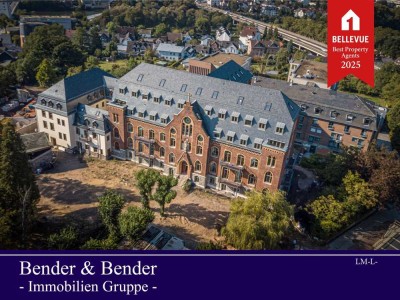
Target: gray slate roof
x,y
258,102
98,118
170,48
77,85
309,98
35,141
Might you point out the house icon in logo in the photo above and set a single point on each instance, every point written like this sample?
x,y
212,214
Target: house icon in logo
x,y
350,18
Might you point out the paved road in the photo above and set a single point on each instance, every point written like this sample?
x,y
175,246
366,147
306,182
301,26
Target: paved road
x,y
303,42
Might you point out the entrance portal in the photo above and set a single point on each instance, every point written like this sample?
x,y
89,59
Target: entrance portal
x,y
184,168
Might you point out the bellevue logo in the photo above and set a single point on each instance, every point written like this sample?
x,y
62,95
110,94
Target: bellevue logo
x,y
350,17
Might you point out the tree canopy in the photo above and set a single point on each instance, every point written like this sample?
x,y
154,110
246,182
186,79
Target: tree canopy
x,y
258,222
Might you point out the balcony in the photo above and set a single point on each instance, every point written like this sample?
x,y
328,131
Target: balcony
x,y
144,140
144,155
230,182
231,166
86,139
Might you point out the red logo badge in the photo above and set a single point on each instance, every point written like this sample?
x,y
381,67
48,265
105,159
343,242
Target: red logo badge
x,y
351,40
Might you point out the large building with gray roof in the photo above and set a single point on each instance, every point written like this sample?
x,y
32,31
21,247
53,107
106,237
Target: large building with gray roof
x,y
221,134
330,119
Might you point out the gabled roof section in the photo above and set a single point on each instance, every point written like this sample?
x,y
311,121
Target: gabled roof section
x,y
233,72
35,141
97,118
74,86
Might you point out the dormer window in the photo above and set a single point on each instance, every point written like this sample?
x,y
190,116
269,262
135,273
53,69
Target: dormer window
x,y
181,103
135,94
317,110
222,114
43,102
303,107
257,146
50,104
248,120
145,96
243,139
164,118
95,124
156,99
367,121
280,128
334,114
230,136
167,102
59,106
122,91
209,110
349,117
262,124
217,133
153,115
235,117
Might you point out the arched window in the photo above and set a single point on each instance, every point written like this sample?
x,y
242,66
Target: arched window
x,y
172,137
50,104
130,143
95,124
251,179
130,127
162,137
199,150
240,160
140,131
214,152
227,156
116,133
171,158
151,134
187,127
197,166
59,106
162,152
87,122
43,102
116,146
271,160
254,163
200,140
268,177
213,168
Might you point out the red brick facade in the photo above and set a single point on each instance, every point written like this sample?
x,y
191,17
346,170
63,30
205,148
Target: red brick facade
x,y
245,169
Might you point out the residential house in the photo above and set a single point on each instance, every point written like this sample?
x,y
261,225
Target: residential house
x,y
173,52
229,47
269,10
173,37
122,46
145,33
208,64
247,34
93,131
223,35
261,48
56,106
309,72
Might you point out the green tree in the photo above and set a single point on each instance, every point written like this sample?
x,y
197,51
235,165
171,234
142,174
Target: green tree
x,y
7,78
145,181
329,216
19,193
66,239
202,25
110,206
276,33
359,197
209,246
160,29
92,62
258,222
164,193
46,75
134,221
393,118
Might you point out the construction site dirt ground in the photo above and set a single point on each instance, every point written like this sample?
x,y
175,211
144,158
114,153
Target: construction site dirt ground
x,y
69,196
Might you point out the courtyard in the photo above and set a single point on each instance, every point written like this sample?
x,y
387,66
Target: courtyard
x,y
70,191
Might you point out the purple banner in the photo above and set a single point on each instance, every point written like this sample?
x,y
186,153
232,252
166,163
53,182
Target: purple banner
x,y
195,275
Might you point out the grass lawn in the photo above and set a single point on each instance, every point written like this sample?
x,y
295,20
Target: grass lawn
x,y
107,65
